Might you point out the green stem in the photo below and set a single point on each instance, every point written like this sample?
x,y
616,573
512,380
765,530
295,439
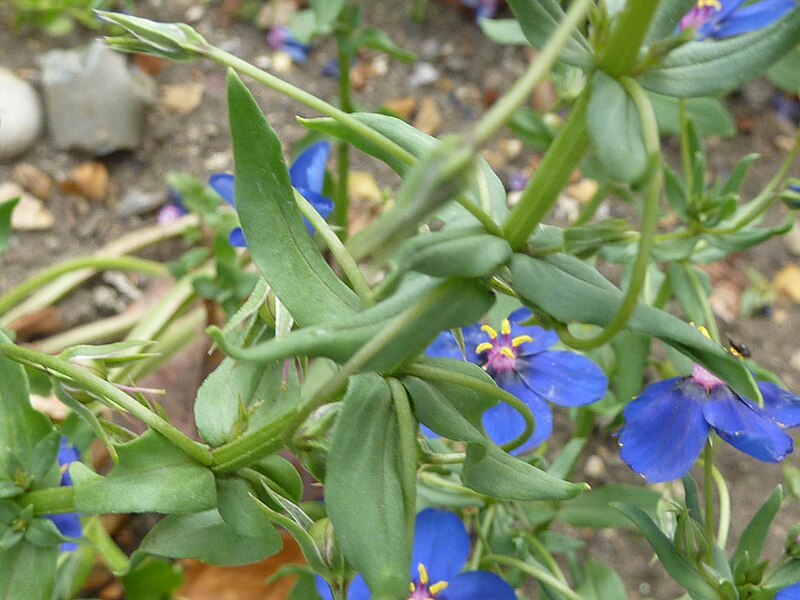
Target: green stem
x,y
540,549
340,207
708,494
482,544
500,112
103,389
407,432
724,508
702,298
122,263
311,101
686,152
337,248
94,332
542,191
652,190
490,389
114,558
450,486
50,501
454,458
536,571
622,52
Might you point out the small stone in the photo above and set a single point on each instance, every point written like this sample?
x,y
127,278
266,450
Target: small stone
x,y
792,239
194,13
51,406
424,73
33,179
430,49
362,186
784,143
263,61
595,467
20,115
583,191
182,98
544,96
219,161
281,62
94,101
90,179
511,148
138,202
787,282
495,159
429,118
107,299
404,107
794,360
30,213
277,13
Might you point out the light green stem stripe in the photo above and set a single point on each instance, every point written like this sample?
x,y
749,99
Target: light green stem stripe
x,y
103,389
539,573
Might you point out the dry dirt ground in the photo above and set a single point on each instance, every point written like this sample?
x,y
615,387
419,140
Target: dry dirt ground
x,y
472,67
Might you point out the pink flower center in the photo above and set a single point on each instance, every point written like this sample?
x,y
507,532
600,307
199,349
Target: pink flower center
x,y
501,351
706,379
700,14
423,589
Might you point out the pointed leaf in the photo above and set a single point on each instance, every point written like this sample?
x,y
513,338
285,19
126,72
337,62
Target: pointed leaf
x,y
751,542
539,18
28,572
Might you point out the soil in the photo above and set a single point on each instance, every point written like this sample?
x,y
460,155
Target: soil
x,y
471,71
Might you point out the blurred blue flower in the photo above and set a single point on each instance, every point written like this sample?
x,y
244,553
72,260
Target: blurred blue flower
x,y
307,175
789,593
667,426
727,18
69,524
484,9
282,38
520,361
441,548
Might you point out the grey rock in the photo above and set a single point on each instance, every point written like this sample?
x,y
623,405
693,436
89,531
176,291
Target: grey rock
x,y
20,115
94,101
424,73
139,202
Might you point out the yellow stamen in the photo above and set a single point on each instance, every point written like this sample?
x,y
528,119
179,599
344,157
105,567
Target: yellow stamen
x,y
412,587
438,587
715,4
423,574
505,327
521,339
488,330
736,353
704,331
483,347
507,352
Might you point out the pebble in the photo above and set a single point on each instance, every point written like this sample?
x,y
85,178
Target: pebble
x,y
94,102
182,98
263,61
787,282
194,13
595,467
89,179
20,115
30,213
362,186
281,62
139,202
429,118
423,73
219,161
33,179
107,299
404,107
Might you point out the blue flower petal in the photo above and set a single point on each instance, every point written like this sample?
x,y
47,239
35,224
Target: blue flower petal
x,y
223,184
69,525
358,589
745,428
503,424
67,454
322,204
236,238
441,543
779,405
542,339
323,589
445,346
298,51
654,390
308,171
753,17
478,585
789,593
563,378
666,433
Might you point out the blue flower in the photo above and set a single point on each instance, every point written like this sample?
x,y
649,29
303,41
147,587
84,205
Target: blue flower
x,y
789,593
727,18
667,426
520,361
307,175
441,548
282,38
68,524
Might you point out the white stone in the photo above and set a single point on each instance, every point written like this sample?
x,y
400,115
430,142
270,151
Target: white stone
x,y
30,213
20,115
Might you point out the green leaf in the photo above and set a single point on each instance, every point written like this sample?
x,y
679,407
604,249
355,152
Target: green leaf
x,y
239,509
282,474
786,72
28,572
153,580
709,67
149,472
529,126
6,210
681,276
601,582
709,115
418,144
21,427
204,536
615,129
667,18
751,542
573,291
594,510
539,18
364,487
280,245
375,39
676,565
507,32
174,41
326,11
